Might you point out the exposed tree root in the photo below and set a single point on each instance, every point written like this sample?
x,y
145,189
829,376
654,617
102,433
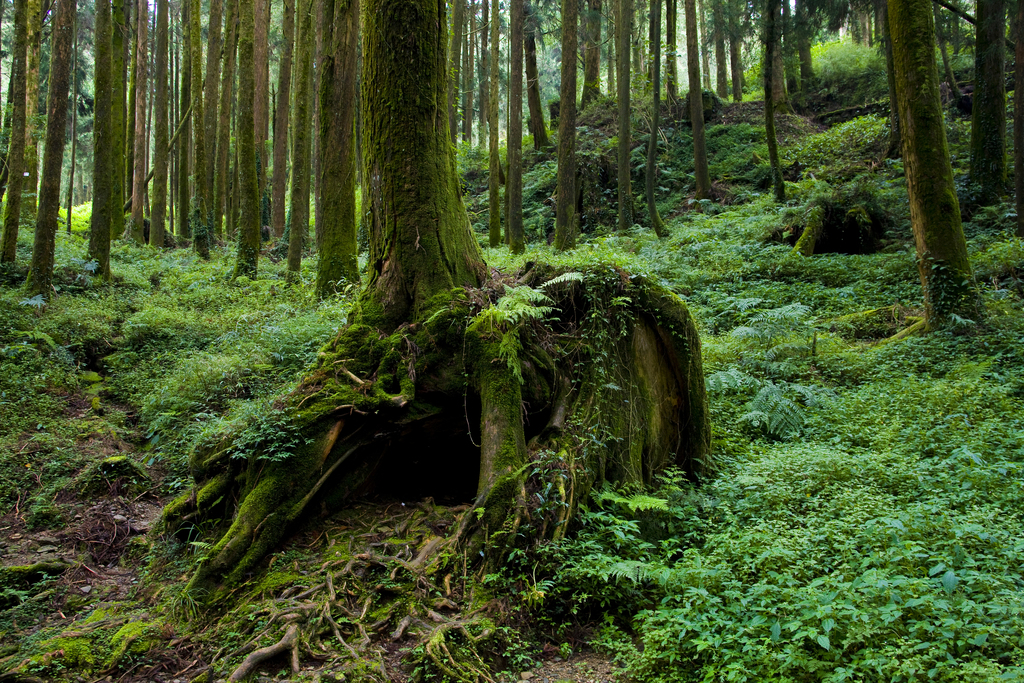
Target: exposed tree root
x,y
289,643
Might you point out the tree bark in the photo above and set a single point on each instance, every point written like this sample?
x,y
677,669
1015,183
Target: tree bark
x,y
736,57
894,146
494,168
141,82
74,122
338,262
624,29
467,76
198,210
514,187
934,210
770,75
802,29
161,134
185,141
298,217
696,99
284,87
103,151
780,100
988,113
671,54
224,116
261,111
1018,116
40,276
591,54
702,46
566,218
721,63
211,97
458,19
35,46
119,18
247,127
537,127
940,37
650,175
16,151
132,48
485,73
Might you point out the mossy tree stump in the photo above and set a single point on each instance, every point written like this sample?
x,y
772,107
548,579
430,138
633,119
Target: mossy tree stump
x,y
443,383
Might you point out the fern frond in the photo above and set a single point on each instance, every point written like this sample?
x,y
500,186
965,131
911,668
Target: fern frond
x,y
729,379
571,276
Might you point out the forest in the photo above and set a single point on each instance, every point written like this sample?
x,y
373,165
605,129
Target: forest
x,y
465,341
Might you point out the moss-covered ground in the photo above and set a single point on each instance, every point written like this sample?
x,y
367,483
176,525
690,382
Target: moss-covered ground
x,y
863,522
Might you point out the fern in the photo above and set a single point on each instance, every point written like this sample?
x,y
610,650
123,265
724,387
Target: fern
x,y
639,502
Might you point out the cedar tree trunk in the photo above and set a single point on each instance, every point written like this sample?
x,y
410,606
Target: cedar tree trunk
x,y
624,28
566,219
771,46
158,212
103,169
16,151
988,113
696,98
651,170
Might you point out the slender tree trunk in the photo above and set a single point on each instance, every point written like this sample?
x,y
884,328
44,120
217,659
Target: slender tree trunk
x,y
458,19
211,97
651,171
566,218
702,46
940,37
700,154
103,151
4,155
537,127
74,122
721,63
591,54
485,73
736,58
40,276
248,127
1018,115
988,114
198,211
771,44
16,151
610,46
298,216
467,76
132,47
934,210
185,140
802,29
338,262
157,214
787,47
624,29
261,111
141,139
119,19
514,186
494,168
35,46
780,101
893,150
224,115
284,75
671,54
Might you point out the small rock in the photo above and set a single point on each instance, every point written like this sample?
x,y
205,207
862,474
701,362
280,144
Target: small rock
x,y
48,540
47,549
86,589
525,676
15,537
120,518
558,659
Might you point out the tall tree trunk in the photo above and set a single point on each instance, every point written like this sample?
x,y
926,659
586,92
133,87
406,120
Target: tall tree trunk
x,y
934,210
780,100
613,64
6,135
161,141
261,111
338,262
74,122
485,73
223,178
702,46
671,54
118,119
988,114
894,146
421,242
211,97
771,44
788,44
566,218
198,209
514,186
1018,115
458,19
16,151
35,48
40,276
700,154
185,140
494,166
298,216
103,151
940,37
537,127
802,31
132,47
141,139
721,63
624,30
284,85
652,143
591,54
736,57
467,76
248,127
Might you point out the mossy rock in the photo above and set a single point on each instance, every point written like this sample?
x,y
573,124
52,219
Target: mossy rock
x,y
712,107
117,474
20,578
878,323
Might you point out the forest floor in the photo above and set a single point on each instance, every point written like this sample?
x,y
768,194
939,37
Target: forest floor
x,y
864,522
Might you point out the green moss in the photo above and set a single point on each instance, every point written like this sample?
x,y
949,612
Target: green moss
x,y
101,476
133,639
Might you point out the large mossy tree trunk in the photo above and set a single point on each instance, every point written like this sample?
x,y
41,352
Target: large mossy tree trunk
x,y
934,208
438,388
